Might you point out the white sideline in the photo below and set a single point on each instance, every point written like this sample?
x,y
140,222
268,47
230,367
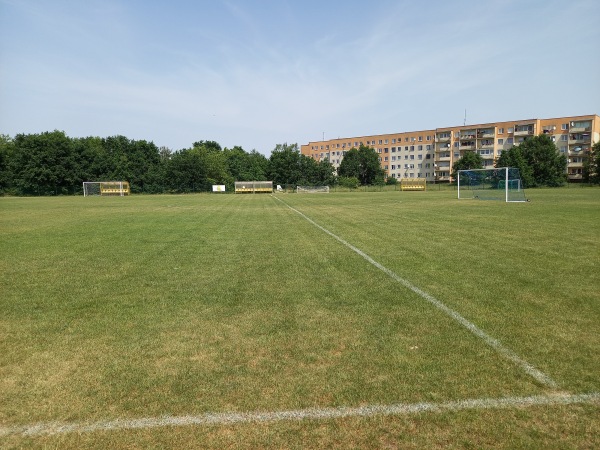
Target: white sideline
x,y
492,342
215,419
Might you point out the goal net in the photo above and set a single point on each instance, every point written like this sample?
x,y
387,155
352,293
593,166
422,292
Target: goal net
x,y
119,188
502,183
312,189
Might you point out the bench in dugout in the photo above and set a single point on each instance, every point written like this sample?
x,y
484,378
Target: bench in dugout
x,y
410,184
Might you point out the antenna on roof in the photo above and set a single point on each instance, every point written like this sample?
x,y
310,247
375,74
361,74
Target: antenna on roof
x,y
465,122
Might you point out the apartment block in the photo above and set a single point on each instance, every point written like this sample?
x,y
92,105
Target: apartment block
x,y
430,154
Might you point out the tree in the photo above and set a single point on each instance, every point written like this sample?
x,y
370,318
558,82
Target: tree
x,y
243,166
198,168
284,164
591,166
548,166
287,166
362,163
350,165
138,162
185,171
324,173
513,157
469,160
6,145
43,164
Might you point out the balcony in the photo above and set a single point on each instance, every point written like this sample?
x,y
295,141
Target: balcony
x,y
481,134
580,139
523,132
442,139
467,145
581,127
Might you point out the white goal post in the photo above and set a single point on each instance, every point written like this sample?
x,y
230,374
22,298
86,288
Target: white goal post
x,y
105,188
312,189
501,183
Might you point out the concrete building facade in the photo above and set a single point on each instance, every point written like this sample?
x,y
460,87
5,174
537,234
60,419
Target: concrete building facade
x,y
430,154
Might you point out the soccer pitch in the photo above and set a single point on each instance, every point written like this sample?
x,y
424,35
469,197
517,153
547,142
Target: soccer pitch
x,y
366,319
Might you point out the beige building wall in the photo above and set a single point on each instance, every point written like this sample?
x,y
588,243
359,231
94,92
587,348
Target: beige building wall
x,y
430,154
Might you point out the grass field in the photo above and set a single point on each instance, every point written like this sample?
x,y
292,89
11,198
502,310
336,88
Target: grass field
x,y
173,321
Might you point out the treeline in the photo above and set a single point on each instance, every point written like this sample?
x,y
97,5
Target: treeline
x,y
52,163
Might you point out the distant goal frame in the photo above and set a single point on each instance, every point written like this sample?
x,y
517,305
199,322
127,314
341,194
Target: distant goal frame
x,y
312,189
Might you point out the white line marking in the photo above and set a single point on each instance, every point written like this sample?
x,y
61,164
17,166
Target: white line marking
x,y
215,419
489,340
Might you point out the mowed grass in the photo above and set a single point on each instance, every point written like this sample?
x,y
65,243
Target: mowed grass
x,y
149,306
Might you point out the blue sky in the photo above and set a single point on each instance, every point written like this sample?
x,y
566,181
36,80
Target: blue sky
x,y
260,73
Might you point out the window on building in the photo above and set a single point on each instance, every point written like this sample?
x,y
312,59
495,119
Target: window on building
x,y
564,126
511,130
564,137
500,141
509,141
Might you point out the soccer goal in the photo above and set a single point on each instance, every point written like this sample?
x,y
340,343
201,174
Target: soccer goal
x,y
502,183
312,189
118,188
